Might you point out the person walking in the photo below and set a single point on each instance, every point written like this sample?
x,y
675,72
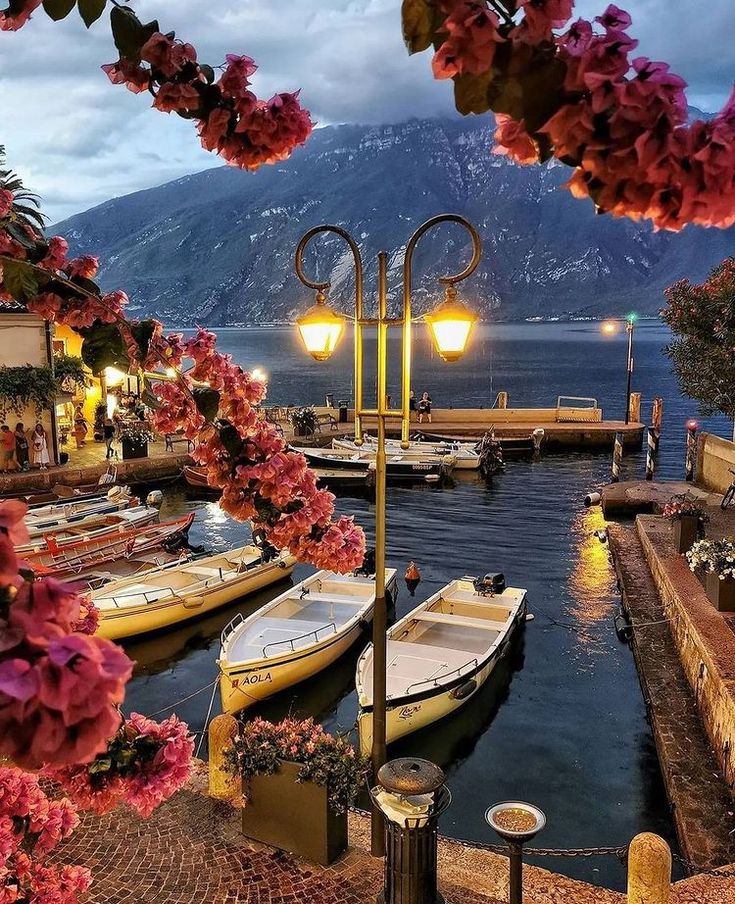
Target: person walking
x,y
7,449
22,447
411,405
109,434
425,408
80,426
40,447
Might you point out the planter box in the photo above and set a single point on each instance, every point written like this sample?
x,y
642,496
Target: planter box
x,y
134,450
294,817
685,532
720,593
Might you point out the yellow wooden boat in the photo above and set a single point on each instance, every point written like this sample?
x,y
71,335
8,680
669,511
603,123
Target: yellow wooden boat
x,y
439,656
168,596
295,636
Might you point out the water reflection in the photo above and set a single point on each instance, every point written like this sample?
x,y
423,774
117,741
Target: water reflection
x,y
590,582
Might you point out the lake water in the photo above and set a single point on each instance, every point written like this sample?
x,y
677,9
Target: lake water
x,y
563,724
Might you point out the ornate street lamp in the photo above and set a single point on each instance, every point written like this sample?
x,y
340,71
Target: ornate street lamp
x,y
321,328
610,328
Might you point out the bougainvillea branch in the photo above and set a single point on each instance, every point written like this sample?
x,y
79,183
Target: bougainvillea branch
x,y
579,96
231,121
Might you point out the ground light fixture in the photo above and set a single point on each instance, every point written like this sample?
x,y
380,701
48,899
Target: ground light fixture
x,y
321,329
516,822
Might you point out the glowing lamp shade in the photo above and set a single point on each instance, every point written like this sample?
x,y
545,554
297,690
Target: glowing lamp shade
x,y
451,325
609,327
321,329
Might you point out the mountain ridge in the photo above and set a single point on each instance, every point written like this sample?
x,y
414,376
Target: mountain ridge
x,y
216,247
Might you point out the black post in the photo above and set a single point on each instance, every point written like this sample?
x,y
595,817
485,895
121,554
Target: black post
x,y
516,872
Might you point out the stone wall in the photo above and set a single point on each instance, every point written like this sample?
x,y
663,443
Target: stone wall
x,y
704,638
714,457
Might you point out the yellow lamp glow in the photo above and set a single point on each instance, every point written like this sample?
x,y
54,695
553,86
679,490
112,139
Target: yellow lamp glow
x,y
321,329
609,327
451,325
113,376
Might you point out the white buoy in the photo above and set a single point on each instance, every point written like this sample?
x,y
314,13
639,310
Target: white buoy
x,y
154,499
592,499
530,616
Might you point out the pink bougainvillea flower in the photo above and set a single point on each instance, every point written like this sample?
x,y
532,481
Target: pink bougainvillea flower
x,y
6,202
85,267
135,78
22,12
12,513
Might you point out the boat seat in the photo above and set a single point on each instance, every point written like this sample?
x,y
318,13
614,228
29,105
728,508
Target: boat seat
x,y
509,597
205,571
464,620
331,598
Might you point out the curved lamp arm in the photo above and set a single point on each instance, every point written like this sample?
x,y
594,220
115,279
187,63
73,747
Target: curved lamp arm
x,y
407,289
322,286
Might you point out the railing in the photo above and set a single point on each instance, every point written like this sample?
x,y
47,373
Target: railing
x,y
437,678
584,412
160,591
292,640
230,627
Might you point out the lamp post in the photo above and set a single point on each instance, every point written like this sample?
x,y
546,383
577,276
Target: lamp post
x,y
610,328
321,328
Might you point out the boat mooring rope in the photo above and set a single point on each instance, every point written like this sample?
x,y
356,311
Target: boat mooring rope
x,y
184,699
206,721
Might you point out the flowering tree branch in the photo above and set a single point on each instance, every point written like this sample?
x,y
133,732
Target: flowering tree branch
x,y
578,96
231,121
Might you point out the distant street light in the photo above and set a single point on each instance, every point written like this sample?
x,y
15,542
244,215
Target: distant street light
x,y
321,328
610,328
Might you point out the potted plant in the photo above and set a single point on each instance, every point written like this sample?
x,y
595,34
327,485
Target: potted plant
x,y
303,421
134,437
297,784
687,517
714,561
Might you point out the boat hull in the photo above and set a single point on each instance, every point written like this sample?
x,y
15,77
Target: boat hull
x,y
408,714
118,624
243,686
396,471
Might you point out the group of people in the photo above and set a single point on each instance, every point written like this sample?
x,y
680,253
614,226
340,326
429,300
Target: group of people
x,y
423,407
20,446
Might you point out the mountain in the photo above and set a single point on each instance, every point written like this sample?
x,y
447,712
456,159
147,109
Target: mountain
x,y
217,247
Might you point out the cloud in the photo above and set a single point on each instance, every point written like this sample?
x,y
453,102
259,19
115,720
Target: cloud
x,y
78,140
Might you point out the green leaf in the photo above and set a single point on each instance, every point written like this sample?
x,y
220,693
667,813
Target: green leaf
x,y
207,402
231,440
207,72
127,32
91,10
103,347
143,333
471,92
58,9
101,764
19,278
420,20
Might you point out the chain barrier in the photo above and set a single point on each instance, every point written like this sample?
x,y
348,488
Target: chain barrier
x,y
621,853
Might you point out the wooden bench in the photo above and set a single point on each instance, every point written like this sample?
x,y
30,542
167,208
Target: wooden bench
x,y
464,621
326,420
171,438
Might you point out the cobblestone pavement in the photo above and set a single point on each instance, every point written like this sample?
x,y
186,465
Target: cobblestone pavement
x,y
191,851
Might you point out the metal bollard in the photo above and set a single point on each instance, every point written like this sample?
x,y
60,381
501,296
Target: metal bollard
x,y
617,457
691,457
651,449
649,870
412,795
516,822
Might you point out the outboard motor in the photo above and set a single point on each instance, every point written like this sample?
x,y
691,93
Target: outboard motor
x,y
154,499
368,564
491,456
268,551
490,584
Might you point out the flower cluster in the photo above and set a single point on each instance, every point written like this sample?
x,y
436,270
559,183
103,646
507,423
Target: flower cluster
x,y
244,130
621,122
327,760
59,689
683,507
143,765
136,432
31,825
713,557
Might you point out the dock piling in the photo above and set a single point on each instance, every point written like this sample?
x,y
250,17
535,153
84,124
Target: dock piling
x,y
649,870
222,784
617,457
651,450
635,407
691,455
657,416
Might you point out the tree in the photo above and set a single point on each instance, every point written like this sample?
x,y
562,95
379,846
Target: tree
x,y
702,318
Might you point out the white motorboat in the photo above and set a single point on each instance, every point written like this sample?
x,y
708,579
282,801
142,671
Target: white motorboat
x,y
171,594
298,634
440,654
465,455
88,528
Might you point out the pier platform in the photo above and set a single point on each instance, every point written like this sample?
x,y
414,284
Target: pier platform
x,y
191,850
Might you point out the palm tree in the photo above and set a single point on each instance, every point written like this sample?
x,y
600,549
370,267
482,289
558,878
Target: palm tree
x,y
24,211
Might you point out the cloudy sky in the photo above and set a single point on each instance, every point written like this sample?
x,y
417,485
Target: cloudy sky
x,y
78,140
